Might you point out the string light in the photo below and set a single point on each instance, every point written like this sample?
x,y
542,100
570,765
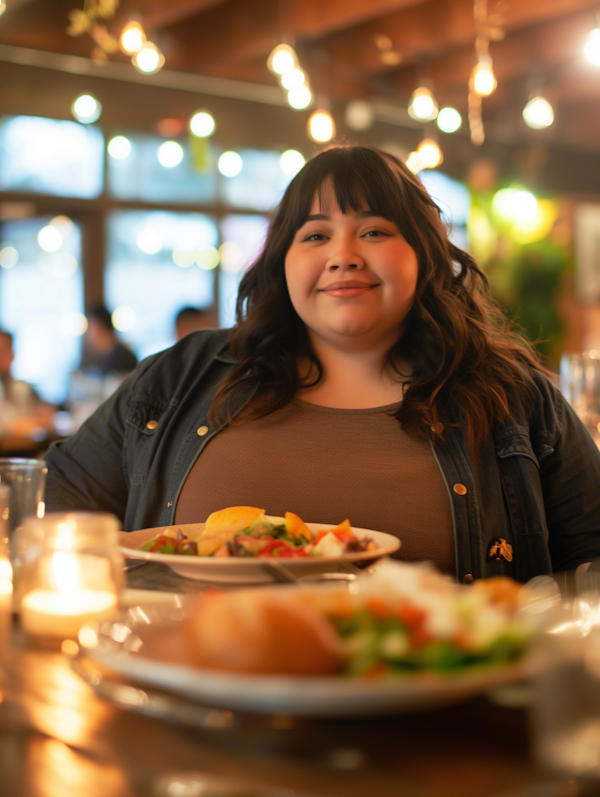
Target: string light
x,y
300,98
592,47
170,154
119,148
202,124
423,106
86,109
538,113
230,164
359,115
483,78
149,59
132,38
449,120
282,59
2,7
291,161
321,127
428,155
293,79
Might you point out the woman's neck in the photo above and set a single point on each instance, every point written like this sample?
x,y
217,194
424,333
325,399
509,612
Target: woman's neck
x,y
351,380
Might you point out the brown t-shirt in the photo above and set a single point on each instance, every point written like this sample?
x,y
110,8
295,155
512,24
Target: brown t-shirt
x,y
326,465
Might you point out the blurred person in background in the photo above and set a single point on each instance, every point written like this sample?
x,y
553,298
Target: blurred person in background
x,y
190,319
22,408
103,352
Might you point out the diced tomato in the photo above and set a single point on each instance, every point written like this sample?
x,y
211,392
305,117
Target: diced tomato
x,y
411,616
379,608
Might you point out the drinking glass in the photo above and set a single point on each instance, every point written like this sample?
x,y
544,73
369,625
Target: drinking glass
x,y
26,479
71,572
580,385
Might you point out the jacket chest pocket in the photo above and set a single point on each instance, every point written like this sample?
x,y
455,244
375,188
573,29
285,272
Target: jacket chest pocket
x,y
145,421
519,472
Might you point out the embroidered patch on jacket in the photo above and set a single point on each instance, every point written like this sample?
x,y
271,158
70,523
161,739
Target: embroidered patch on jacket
x,y
499,549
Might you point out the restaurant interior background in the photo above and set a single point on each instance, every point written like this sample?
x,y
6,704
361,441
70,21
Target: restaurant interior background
x,y
115,189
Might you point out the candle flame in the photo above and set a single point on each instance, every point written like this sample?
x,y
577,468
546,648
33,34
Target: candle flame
x,y
66,572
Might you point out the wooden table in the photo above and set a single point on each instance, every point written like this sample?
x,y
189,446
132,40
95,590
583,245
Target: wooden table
x,y
57,739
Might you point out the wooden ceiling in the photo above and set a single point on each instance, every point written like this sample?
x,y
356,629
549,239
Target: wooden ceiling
x,y
365,48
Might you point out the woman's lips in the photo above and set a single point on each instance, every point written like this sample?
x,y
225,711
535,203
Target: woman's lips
x,y
347,289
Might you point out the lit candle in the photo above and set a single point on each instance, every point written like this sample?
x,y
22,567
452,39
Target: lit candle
x,y
46,612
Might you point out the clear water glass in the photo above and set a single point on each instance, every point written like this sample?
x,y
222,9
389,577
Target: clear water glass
x,y
26,479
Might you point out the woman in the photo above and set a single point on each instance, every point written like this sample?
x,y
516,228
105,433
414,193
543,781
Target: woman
x,y
369,376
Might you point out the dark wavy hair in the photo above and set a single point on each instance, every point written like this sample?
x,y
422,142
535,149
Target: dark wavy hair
x,y
465,359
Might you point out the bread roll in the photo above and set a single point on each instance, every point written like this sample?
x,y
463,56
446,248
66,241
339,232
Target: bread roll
x,y
258,632
228,522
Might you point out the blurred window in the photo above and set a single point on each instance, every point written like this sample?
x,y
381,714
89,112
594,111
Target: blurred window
x,y
259,185
158,262
138,173
242,240
41,300
51,157
453,199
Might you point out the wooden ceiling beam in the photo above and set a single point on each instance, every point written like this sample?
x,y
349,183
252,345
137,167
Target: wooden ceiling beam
x,y
156,14
438,26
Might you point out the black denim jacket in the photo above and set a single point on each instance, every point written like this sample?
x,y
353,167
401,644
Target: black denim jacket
x,y
528,506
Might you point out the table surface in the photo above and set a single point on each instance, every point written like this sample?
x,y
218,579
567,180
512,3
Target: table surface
x,y
58,739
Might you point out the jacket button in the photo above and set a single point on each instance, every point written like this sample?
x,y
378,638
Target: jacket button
x,y
152,424
468,579
202,431
169,504
460,489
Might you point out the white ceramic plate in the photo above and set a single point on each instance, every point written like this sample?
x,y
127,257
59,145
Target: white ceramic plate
x,y
153,652
250,570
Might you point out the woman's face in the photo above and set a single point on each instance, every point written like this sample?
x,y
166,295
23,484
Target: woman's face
x,y
351,276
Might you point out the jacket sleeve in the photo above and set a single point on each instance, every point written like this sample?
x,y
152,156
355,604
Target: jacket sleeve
x,y
570,475
87,471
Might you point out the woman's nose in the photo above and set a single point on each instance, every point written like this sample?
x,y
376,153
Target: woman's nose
x,y
345,257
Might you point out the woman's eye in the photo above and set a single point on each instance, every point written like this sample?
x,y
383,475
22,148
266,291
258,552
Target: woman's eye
x,y
315,236
375,233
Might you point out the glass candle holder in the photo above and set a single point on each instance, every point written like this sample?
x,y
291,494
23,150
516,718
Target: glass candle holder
x,y
71,572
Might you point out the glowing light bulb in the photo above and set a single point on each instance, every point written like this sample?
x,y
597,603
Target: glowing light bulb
x,y
170,154
359,115
50,238
124,318
86,109
2,7
524,205
207,258
149,59
202,124
483,78
119,148
291,161
449,120
300,97
282,59
321,126
9,257
592,47
538,113
423,105
132,38
230,164
293,79
428,155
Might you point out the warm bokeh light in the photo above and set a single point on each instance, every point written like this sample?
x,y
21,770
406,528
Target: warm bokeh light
x,y
170,154
132,38
50,238
207,258
359,115
230,163
293,79
2,7
538,113
321,127
449,120
428,155
9,257
524,205
423,105
291,161
483,78
149,59
184,258
202,124
74,324
592,47
124,318
282,59
119,148
149,241
300,97
232,257
86,109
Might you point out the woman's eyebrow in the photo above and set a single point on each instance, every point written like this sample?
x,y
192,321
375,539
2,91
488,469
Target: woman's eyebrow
x,y
364,214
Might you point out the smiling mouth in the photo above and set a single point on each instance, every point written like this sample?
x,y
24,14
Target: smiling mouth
x,y
348,287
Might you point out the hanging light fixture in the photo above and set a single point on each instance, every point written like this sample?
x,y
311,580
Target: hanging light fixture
x,y
423,106
202,124
148,59
132,38
282,59
321,127
449,120
592,46
483,78
428,155
538,113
